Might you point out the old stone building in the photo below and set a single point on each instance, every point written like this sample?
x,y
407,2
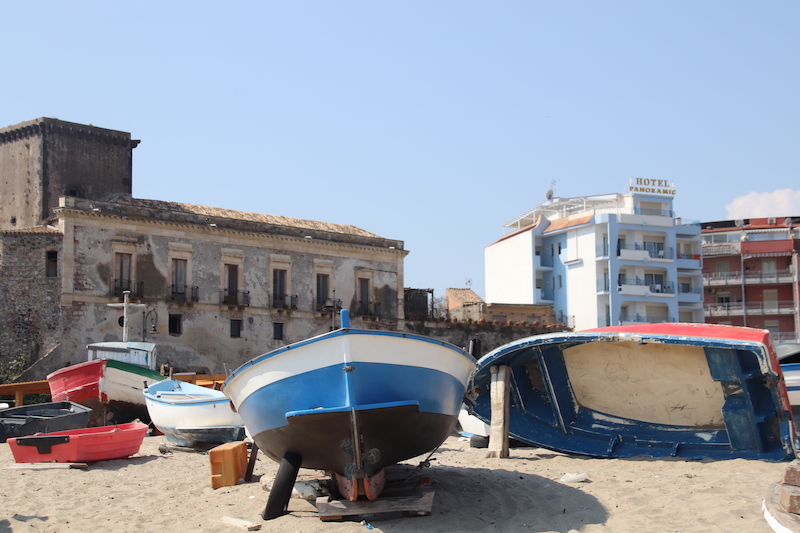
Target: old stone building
x,y
212,287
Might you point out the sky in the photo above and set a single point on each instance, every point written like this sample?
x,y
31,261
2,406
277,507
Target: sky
x,y
433,123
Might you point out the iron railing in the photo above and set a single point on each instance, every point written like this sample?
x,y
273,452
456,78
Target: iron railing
x,y
119,286
183,293
238,298
283,301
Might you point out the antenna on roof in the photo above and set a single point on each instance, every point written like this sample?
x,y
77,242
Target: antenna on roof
x,y
551,190
469,283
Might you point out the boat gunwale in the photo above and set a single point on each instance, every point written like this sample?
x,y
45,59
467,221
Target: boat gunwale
x,y
342,332
504,352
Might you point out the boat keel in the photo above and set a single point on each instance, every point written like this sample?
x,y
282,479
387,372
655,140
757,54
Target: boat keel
x,y
371,486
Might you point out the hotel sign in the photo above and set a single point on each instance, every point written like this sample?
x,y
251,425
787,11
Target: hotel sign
x,y
648,186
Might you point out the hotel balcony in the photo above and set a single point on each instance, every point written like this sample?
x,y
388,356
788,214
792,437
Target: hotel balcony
x,y
638,287
641,252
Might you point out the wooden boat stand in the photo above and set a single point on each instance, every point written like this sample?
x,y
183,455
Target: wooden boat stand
x,y
400,495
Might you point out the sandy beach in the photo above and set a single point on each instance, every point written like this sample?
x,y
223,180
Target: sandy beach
x,y
155,492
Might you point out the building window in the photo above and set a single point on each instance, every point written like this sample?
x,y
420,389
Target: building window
x,y
279,289
52,264
175,325
559,248
179,279
322,290
231,283
560,282
363,296
122,274
236,328
277,331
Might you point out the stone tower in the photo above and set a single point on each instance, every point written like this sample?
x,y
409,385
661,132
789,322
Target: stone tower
x,y
45,158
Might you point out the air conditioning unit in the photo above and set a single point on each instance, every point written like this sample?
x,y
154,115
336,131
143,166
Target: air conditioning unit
x,y
739,223
771,220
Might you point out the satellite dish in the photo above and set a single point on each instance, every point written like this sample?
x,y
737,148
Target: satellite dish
x,y
549,194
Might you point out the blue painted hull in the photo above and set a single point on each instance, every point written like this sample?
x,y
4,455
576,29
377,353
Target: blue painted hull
x,y
399,395
685,390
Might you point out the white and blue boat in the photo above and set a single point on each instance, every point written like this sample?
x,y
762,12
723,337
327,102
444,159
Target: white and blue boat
x,y
684,390
350,402
191,415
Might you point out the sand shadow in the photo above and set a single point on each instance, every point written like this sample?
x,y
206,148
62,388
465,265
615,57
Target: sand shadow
x,y
477,499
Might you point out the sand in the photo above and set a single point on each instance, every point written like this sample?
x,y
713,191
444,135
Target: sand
x,y
155,492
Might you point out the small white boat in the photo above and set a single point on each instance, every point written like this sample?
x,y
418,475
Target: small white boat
x,y
189,414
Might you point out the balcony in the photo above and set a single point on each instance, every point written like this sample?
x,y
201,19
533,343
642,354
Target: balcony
x,y
689,294
327,305
653,212
368,309
640,252
283,301
750,278
237,298
119,286
786,307
689,260
183,293
644,319
639,287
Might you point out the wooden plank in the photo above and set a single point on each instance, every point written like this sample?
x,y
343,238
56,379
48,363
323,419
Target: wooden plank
x,y
790,498
500,397
792,474
775,511
251,463
419,504
26,387
46,466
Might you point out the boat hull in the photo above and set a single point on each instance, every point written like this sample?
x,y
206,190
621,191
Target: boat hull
x,y
112,389
42,418
190,415
80,445
400,394
687,390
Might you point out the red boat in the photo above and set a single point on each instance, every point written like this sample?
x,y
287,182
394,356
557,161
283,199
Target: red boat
x,y
80,445
110,382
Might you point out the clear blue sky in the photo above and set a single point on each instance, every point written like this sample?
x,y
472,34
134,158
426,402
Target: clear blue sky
x,y
429,122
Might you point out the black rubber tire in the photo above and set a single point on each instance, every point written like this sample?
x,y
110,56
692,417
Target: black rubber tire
x,y
282,487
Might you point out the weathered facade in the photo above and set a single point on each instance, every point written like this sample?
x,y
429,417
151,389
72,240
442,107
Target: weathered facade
x,y
212,287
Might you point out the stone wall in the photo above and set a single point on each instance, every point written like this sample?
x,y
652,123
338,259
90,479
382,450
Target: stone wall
x,y
489,336
30,301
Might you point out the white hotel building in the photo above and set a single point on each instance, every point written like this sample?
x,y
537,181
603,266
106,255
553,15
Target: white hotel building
x,y
602,260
